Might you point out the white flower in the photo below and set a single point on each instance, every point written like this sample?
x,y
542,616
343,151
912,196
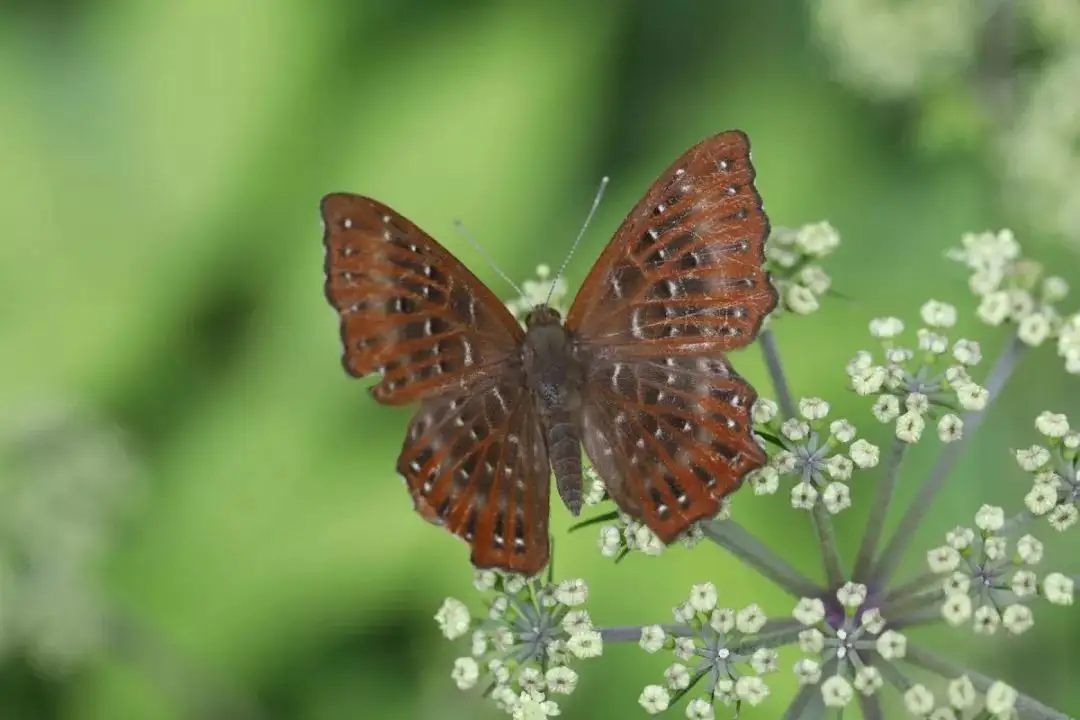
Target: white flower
x,y
1024,583
909,427
950,428
1030,549
962,693
610,541
967,352
453,618
811,641
990,518
764,661
484,579
851,594
938,314
751,689
678,677
960,537
887,408
868,680
994,308
837,691
809,611
972,396
956,609
700,709
837,497
1052,425
1017,619
891,645
561,680
1032,458
918,700
703,597
1034,329
987,620
764,411
817,239
654,699
765,480
652,638
1058,589
808,671
803,496
865,454
572,592
886,327
943,559
465,673
588,644
1041,499
813,408
873,621
533,706
801,300
1000,698
577,621
750,619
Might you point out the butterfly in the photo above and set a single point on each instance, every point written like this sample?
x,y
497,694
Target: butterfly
x,y
636,373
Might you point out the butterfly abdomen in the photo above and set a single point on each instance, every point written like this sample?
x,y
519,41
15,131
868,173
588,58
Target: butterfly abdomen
x,y
554,376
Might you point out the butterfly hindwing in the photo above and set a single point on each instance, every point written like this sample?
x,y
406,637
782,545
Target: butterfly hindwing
x,y
670,436
684,273
409,309
477,464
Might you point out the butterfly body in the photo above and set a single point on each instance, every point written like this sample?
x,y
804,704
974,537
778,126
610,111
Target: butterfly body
x,y
554,374
637,373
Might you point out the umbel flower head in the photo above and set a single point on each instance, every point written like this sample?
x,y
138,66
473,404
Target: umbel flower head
x,y
989,579
523,646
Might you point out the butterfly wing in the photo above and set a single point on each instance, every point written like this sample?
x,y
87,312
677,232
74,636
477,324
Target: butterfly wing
x,y
474,457
409,309
670,436
667,420
477,464
684,273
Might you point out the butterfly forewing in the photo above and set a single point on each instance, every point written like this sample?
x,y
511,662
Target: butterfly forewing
x,y
477,464
684,274
409,309
474,459
669,436
666,419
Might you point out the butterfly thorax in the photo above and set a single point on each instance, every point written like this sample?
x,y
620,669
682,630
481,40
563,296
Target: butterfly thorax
x,y
554,376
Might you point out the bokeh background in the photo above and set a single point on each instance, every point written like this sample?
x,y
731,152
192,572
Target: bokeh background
x,y
198,512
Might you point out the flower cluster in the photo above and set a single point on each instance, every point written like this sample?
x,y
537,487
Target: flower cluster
x,y
852,629
986,584
536,292
928,381
792,256
525,643
892,49
66,482
820,456
723,655
1055,493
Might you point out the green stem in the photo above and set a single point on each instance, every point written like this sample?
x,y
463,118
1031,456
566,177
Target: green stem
x,y
731,536
879,510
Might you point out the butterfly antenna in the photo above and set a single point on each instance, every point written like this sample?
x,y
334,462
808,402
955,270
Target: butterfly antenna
x,y
460,227
588,218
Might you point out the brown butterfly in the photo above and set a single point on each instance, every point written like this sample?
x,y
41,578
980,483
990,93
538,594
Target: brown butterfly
x,y
637,372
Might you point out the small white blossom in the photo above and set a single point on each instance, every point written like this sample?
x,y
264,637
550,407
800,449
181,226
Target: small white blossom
x,y
588,644
678,677
465,673
938,314
1017,619
703,597
1032,458
962,693
561,680
813,408
808,671
654,699
1058,589
950,428
909,427
1000,698
891,645
918,700
572,592
837,691
1052,425
809,611
990,518
453,618
652,638
865,454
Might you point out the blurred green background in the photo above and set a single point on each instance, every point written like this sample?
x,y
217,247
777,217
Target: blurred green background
x,y
161,165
